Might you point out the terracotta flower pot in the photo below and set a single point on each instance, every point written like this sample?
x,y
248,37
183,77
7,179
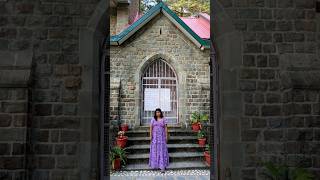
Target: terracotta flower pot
x,y
124,127
195,127
202,142
121,142
117,164
207,157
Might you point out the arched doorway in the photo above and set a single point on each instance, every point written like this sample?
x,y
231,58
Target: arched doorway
x,y
159,90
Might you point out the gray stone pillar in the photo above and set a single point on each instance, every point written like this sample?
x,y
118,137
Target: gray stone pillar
x,y
15,70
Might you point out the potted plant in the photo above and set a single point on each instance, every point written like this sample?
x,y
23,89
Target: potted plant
x,y
201,138
121,139
207,155
203,118
117,156
196,118
124,127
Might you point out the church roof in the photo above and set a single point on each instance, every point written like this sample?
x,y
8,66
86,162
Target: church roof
x,y
199,24
197,29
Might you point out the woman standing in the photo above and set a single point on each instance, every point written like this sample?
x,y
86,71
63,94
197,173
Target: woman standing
x,y
159,157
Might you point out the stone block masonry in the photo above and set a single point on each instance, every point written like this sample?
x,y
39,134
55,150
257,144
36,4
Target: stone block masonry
x,y
15,70
279,41
13,132
115,87
40,79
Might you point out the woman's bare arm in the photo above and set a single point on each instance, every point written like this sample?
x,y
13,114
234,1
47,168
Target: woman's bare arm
x,y
166,133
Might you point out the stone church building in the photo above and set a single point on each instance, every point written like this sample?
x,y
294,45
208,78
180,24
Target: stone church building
x,y
159,56
55,70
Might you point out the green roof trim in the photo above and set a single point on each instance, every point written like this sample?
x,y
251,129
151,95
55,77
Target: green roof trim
x,y
125,34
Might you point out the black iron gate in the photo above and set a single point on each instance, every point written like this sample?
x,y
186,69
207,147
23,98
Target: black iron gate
x,y
104,115
214,114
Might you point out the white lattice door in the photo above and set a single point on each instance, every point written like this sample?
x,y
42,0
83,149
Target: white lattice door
x,y
159,90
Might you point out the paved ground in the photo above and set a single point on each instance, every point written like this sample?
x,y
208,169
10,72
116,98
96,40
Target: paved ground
x,y
157,175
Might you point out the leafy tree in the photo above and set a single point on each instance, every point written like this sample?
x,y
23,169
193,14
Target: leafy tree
x,y
189,7
145,5
181,7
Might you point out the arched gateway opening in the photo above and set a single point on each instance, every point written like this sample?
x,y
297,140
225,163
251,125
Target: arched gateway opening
x,y
94,139
159,61
159,90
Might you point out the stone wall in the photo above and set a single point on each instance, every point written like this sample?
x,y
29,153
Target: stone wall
x,y
275,81
133,9
15,107
113,22
122,15
122,18
50,30
190,63
115,101
13,130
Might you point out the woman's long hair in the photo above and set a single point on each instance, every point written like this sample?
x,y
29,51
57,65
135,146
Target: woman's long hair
x,y
155,113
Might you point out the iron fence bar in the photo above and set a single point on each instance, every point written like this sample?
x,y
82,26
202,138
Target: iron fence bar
x,y
107,115
215,113
162,84
162,78
102,115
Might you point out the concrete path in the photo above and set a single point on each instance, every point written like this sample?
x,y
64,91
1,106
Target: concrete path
x,y
157,175
164,177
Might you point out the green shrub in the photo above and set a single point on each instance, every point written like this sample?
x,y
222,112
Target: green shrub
x,y
281,172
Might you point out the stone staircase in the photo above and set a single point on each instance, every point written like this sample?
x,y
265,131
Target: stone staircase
x,y
184,151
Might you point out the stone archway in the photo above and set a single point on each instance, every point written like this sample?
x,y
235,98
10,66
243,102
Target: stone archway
x,y
227,42
227,55
159,78
91,53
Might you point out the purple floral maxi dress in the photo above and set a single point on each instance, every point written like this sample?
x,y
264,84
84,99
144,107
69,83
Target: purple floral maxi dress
x,y
159,157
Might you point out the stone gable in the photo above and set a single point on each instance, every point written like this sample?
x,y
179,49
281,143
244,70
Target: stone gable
x,y
161,38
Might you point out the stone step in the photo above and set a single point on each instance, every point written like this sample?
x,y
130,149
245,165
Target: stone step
x,y
145,148
184,151
172,140
173,157
172,132
172,165
170,126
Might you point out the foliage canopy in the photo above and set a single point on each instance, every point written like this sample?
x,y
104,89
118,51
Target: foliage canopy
x,y
181,7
